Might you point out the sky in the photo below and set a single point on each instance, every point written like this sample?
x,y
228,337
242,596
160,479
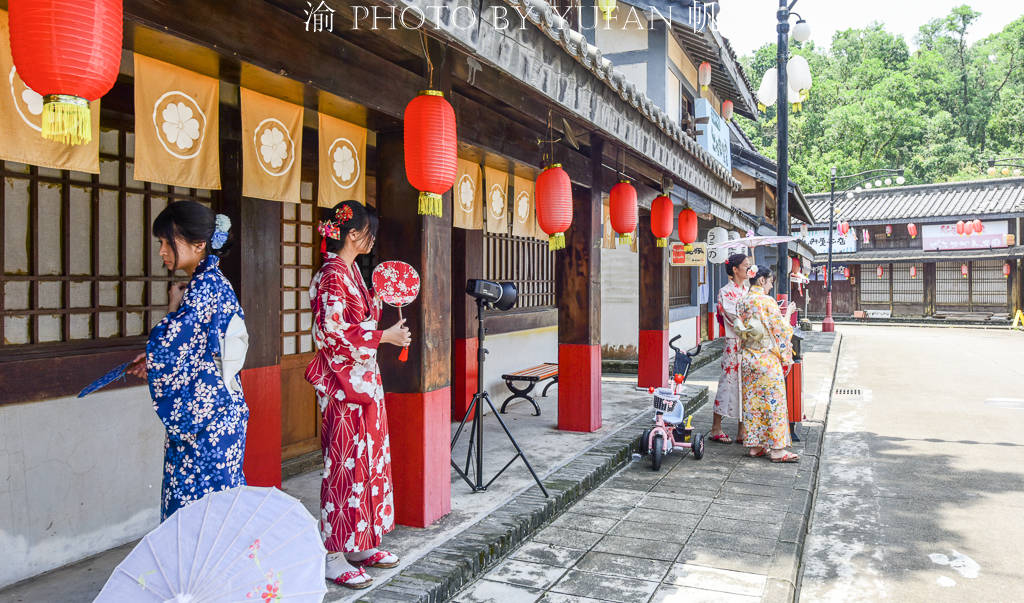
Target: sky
x,y
749,24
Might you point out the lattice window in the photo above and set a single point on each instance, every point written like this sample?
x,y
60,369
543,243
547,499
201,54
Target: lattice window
x,y
79,260
906,290
874,290
951,288
679,286
298,222
989,286
526,262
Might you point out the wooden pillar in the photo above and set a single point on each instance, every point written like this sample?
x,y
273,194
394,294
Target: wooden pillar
x,y
929,289
254,268
654,291
578,289
467,263
417,392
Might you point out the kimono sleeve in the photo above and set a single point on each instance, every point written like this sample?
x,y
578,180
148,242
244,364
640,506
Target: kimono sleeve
x,y
779,329
184,400
727,301
340,322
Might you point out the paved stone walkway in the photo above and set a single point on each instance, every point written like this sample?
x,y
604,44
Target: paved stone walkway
x,y
725,528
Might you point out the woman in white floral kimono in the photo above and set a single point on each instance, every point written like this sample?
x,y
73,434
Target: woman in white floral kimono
x,y
728,400
356,503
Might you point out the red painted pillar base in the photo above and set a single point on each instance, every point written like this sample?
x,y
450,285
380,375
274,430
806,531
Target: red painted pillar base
x,y
653,371
579,387
262,461
420,424
465,376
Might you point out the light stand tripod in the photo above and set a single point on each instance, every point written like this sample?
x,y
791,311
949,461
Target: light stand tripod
x,y
476,430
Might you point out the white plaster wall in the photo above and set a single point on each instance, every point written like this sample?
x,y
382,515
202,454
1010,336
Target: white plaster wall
x,y
77,477
620,302
627,30
510,352
673,95
688,329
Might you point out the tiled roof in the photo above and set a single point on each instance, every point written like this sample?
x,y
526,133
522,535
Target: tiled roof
x,y
879,256
945,200
547,19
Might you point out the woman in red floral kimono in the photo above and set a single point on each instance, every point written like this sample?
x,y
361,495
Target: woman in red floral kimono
x,y
356,504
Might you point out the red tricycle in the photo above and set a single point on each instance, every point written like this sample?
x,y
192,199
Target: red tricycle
x,y
671,431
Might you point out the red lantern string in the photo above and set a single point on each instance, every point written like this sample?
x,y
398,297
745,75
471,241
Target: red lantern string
x,y
963,270
968,228
960,227
879,271
688,228
553,193
661,219
704,75
978,226
913,272
622,210
888,230
69,52
431,153
912,230
1006,270
727,110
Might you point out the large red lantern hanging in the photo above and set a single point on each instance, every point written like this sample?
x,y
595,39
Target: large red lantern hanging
x,y
554,204
70,53
978,226
431,153
661,219
960,227
879,271
688,228
963,270
913,272
704,75
622,211
1006,270
727,110
912,230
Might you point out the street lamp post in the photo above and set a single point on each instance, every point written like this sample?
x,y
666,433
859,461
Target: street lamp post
x,y
801,33
828,325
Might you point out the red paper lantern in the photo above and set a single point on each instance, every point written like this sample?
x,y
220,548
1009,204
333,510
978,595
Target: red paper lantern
x,y
431,154
622,211
554,204
963,270
844,227
846,272
888,230
879,271
978,226
867,237
968,227
960,227
704,75
913,272
661,219
688,228
70,53
912,229
727,109
1006,270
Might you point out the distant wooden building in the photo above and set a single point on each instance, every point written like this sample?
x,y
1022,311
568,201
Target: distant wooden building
x,y
937,273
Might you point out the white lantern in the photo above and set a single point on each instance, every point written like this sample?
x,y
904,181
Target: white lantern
x,y
900,179
768,92
795,99
849,194
801,31
878,182
799,73
888,181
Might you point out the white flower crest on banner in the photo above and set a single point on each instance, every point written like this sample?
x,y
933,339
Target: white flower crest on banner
x,y
275,145
345,163
180,123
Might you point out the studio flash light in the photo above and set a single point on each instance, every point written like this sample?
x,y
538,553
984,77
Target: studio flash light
x,y
501,296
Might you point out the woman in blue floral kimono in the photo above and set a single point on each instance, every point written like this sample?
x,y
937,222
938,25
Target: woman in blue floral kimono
x,y
193,359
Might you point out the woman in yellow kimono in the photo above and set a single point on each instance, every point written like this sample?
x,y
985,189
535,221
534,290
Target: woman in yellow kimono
x,y
765,353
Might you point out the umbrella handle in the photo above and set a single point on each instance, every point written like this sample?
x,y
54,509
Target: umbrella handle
x,y
404,355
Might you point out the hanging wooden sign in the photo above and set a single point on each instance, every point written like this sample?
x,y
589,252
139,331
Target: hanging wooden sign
x,y
696,256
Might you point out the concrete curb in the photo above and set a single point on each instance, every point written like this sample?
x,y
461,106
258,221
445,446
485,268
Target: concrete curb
x,y
783,583
442,572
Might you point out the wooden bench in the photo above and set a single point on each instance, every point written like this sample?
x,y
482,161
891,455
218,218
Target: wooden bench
x,y
531,376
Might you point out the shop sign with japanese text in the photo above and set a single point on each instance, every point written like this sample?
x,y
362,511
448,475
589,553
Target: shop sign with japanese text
x,y
697,256
943,237
841,243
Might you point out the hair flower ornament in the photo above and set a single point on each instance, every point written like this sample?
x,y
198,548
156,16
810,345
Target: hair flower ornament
x,y
331,229
222,224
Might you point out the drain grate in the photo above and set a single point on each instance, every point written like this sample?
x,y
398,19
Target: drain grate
x,y
848,393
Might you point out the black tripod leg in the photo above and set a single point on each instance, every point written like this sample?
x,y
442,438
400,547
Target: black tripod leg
x,y
516,444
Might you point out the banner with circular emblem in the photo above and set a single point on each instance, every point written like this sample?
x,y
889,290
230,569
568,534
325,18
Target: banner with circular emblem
x,y
177,128
523,219
496,200
21,121
271,147
466,196
342,161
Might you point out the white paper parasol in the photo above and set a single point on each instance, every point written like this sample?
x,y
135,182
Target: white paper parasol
x,y
247,544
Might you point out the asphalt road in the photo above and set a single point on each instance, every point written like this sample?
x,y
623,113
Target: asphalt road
x,y
921,490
